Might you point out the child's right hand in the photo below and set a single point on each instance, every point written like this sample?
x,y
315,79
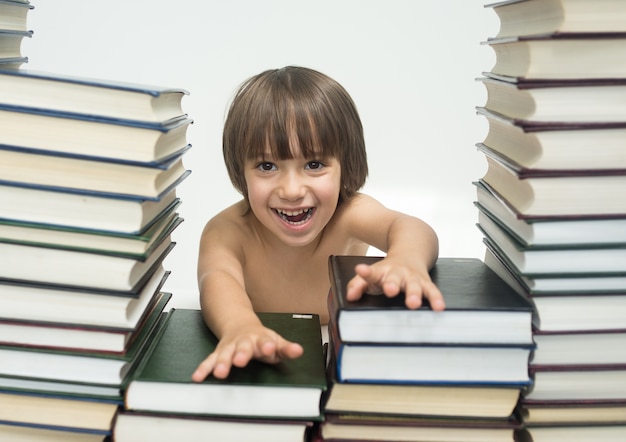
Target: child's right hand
x,y
239,348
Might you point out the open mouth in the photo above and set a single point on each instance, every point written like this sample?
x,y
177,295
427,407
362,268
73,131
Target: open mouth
x,y
295,216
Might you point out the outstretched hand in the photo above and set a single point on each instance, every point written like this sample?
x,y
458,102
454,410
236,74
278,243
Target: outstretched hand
x,y
389,279
239,349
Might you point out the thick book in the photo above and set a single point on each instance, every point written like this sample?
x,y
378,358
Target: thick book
x,y
572,101
81,337
91,96
142,181
558,284
161,427
362,427
555,195
83,210
596,348
41,434
58,304
290,389
550,145
57,412
418,400
555,56
89,270
481,308
69,134
11,48
536,17
75,366
430,364
139,245
553,259
593,310
14,14
572,412
567,433
577,384
553,231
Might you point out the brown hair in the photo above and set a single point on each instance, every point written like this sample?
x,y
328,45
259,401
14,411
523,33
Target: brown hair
x,y
280,106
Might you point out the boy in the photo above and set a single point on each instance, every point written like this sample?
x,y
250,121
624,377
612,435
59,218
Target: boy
x,y
293,145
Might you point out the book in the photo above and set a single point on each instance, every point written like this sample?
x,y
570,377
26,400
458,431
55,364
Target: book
x,y
576,384
80,337
564,196
533,17
569,433
18,433
554,231
35,169
25,301
11,47
57,412
429,364
554,145
89,270
554,56
569,412
62,388
290,389
548,259
78,209
356,427
92,96
75,366
563,310
579,348
480,308
139,245
553,101
78,135
14,14
553,284
134,426
418,400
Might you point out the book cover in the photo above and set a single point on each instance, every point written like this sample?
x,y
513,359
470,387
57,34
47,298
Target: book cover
x,y
481,308
289,389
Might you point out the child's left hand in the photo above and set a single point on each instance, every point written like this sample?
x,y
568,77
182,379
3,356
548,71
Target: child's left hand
x,y
390,278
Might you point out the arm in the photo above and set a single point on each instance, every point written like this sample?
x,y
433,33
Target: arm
x,y
227,310
411,248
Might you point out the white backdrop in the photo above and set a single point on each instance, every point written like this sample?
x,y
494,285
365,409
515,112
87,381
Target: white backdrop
x,y
410,66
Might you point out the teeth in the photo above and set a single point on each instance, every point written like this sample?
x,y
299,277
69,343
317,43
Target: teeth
x,y
295,216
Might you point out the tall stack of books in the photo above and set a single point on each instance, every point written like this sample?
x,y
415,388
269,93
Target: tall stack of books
x,y
13,30
420,375
260,402
88,177
552,207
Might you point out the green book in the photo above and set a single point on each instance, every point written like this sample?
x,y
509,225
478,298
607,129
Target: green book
x,y
291,389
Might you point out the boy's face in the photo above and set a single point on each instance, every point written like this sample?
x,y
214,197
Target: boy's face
x,y
295,198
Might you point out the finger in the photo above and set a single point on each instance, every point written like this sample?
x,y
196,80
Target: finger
x,y
204,369
243,353
356,287
290,350
434,296
413,294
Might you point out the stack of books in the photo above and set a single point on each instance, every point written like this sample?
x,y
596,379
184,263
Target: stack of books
x,y
13,30
552,208
421,375
260,402
88,177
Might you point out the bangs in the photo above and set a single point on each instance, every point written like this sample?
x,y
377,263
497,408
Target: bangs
x,y
292,126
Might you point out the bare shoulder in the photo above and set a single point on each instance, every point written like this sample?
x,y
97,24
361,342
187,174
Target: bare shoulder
x,y
227,230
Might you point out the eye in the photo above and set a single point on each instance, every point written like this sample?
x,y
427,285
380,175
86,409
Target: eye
x,y
266,166
315,165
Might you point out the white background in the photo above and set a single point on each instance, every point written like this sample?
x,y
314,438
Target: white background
x,y
410,66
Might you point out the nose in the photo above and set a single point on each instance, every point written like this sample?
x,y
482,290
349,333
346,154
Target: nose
x,y
292,186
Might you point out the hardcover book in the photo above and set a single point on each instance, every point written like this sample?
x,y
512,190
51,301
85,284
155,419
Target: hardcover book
x,y
290,389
